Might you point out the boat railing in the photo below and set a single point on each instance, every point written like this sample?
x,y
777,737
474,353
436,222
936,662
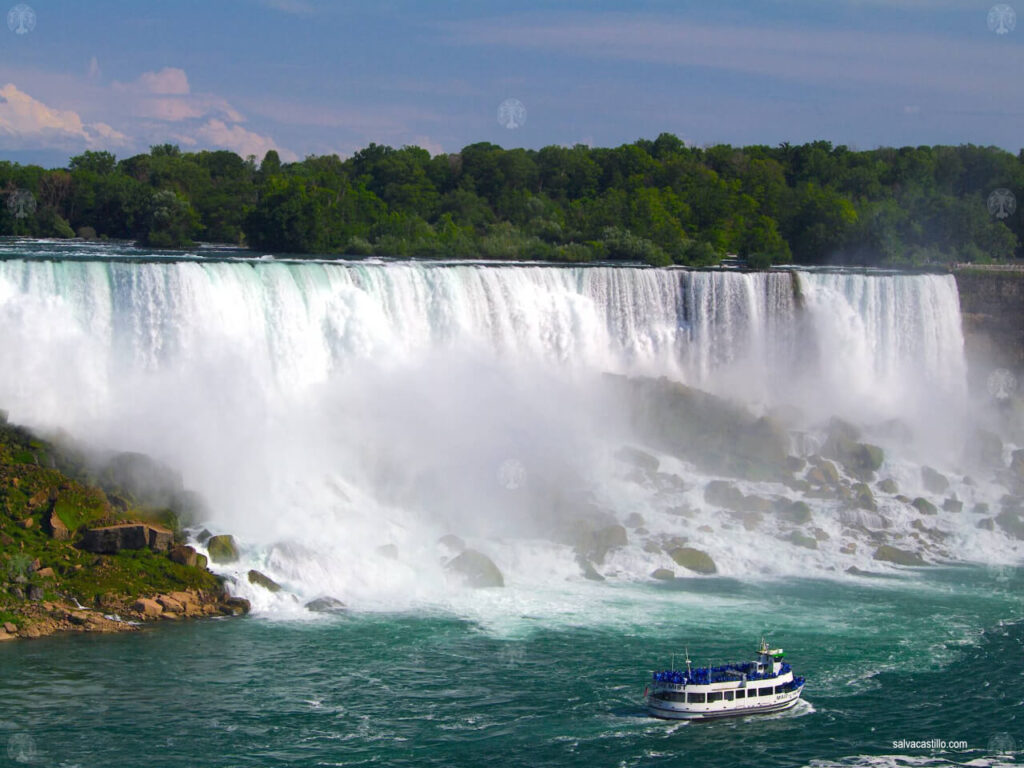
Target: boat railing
x,y
723,674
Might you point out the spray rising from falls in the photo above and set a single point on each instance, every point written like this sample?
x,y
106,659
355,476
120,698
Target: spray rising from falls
x,y
339,419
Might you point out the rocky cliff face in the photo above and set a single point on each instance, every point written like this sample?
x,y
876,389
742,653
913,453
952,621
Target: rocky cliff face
x,y
992,304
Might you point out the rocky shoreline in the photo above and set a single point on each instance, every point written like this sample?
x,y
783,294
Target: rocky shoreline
x,y
91,545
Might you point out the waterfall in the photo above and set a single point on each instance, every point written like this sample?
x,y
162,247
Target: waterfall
x,y
339,406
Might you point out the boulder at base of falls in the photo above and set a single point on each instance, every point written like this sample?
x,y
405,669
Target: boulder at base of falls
x,y
934,482
326,604
861,460
663,574
801,539
722,493
222,549
476,569
796,512
587,568
235,606
694,560
890,554
924,506
262,580
594,537
717,435
888,485
863,497
642,460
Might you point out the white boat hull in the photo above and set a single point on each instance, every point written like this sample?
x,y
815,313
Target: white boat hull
x,y
667,710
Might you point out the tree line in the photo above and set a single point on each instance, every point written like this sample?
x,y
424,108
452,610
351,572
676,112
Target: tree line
x,y
659,202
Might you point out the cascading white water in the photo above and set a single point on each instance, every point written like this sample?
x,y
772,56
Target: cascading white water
x,y
328,409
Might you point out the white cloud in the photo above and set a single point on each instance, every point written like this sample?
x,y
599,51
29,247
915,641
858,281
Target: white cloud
x,y
27,122
94,69
168,81
217,133
425,142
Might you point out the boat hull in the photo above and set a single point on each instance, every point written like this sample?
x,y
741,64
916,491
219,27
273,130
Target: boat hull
x,y
666,711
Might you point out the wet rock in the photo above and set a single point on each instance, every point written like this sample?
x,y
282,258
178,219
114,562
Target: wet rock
x,y
666,482
452,542
934,481
888,485
722,493
262,580
801,539
924,506
1017,463
222,549
204,536
589,571
476,569
651,547
861,460
594,541
1010,521
326,605
987,524
953,504
235,606
641,460
718,436
634,520
694,560
796,512
981,508
823,472
663,574
890,554
863,497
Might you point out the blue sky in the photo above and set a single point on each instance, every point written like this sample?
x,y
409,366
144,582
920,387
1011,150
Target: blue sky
x,y
318,77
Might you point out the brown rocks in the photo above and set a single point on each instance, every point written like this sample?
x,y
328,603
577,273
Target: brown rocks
x,y
262,580
45,573
476,569
57,529
111,539
148,608
663,574
168,603
184,555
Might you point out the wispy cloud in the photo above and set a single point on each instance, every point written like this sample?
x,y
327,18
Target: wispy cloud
x,y
26,122
813,55
294,7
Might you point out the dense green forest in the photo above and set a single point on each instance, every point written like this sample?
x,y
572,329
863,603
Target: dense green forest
x,y
659,202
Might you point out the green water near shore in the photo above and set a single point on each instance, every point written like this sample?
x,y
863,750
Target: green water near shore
x,y
938,658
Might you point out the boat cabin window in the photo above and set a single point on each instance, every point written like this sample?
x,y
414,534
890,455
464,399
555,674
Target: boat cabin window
x,y
764,691
728,695
716,696
741,694
780,688
695,698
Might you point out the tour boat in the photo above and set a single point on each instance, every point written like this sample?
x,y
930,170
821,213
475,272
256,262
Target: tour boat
x,y
766,684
